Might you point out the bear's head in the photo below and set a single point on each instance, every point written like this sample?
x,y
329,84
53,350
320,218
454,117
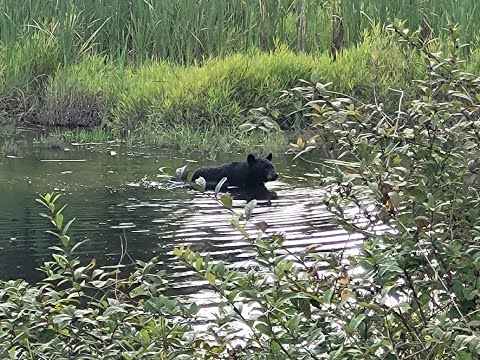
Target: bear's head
x,y
261,169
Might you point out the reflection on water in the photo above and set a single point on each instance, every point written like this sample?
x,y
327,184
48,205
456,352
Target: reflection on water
x,y
113,195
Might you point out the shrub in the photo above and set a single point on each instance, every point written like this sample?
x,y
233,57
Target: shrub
x,y
81,311
408,182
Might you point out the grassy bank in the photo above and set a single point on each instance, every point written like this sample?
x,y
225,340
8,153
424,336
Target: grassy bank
x,y
161,102
185,73
195,106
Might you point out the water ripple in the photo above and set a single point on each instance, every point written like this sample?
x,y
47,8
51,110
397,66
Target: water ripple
x,y
151,217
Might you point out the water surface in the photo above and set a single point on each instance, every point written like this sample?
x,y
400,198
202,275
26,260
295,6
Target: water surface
x,y
113,193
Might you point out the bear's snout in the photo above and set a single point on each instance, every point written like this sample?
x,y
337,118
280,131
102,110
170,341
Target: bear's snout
x,y
272,176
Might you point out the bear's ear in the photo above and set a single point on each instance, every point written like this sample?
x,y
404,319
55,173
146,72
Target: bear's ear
x,y
251,159
269,157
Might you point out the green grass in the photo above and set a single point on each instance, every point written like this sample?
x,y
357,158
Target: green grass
x,y
210,142
199,106
186,139
358,16
164,103
188,31
219,93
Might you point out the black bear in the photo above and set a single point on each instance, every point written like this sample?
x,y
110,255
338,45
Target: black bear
x,y
253,173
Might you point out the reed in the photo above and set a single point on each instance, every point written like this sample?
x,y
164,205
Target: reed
x,y
359,15
188,31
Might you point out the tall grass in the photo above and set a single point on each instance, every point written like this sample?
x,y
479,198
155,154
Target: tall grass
x,y
188,31
180,30
359,14
135,66
218,94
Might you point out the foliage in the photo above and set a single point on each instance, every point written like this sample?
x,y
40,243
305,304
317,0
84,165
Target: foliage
x,y
24,71
91,63
375,69
83,94
221,91
163,104
81,311
408,182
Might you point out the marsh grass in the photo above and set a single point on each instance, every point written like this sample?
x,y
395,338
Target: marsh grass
x,y
86,136
208,142
213,141
187,106
358,15
127,101
188,31
220,92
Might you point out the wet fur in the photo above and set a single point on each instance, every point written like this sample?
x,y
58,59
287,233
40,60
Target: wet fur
x,y
254,172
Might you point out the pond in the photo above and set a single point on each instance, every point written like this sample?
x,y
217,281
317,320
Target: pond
x,y
115,194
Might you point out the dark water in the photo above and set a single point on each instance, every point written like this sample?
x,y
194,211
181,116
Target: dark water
x,y
114,194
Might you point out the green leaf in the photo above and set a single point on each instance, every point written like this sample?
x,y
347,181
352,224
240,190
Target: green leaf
x,y
79,271
138,291
356,322
53,233
67,226
65,240
168,171
190,176
198,263
327,296
263,329
247,127
12,351
61,209
61,260
293,323
226,201
46,335
59,221
41,202
178,251
55,198
210,278
220,184
463,356
62,321
113,310
249,208
78,244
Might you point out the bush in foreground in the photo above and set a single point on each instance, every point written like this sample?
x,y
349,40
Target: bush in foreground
x,y
80,311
